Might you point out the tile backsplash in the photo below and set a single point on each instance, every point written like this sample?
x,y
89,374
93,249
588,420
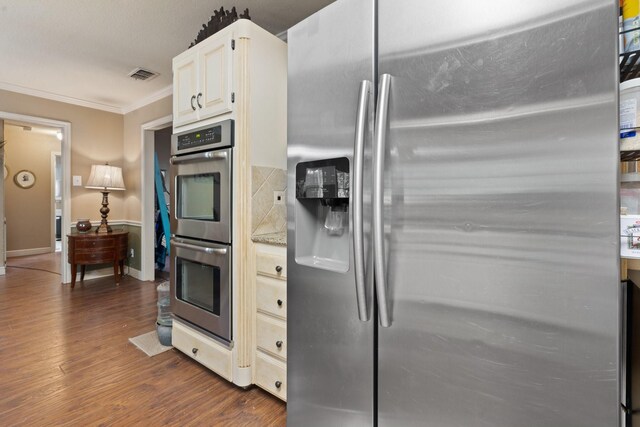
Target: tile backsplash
x,y
267,217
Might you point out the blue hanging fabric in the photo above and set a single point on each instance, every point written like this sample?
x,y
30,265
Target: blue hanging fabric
x,y
161,238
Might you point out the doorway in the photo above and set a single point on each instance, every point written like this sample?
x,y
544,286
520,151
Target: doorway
x,y
20,176
148,195
56,199
30,204
162,148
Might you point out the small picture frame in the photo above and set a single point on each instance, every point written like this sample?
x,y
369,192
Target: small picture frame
x,y
24,179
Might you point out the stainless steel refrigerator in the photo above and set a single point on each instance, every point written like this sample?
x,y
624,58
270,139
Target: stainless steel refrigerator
x,y
463,154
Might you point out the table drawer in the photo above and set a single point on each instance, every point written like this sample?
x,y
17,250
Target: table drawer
x,y
202,349
271,265
271,296
271,335
271,375
93,257
102,243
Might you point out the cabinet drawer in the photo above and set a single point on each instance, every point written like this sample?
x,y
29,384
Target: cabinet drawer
x,y
271,296
271,373
271,265
271,335
207,351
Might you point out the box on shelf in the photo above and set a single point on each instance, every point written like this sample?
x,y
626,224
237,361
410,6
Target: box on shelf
x,y
629,100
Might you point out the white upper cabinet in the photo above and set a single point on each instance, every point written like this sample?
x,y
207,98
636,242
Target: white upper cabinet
x,y
215,83
202,80
185,87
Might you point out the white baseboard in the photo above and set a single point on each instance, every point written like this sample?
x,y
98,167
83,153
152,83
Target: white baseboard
x,y
25,252
107,271
136,274
3,271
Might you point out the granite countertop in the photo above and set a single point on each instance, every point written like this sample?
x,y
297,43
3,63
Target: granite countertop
x,y
278,239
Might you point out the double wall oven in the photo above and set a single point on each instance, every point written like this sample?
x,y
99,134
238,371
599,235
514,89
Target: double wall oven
x,y
201,229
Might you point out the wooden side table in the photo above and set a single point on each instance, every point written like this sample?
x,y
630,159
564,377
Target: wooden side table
x,y
97,248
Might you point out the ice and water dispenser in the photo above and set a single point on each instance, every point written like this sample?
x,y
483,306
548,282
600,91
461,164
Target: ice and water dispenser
x,y
322,214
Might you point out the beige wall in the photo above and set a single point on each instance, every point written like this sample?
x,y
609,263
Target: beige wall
x,y
133,122
96,137
29,211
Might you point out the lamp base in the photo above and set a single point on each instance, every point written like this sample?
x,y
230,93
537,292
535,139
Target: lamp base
x,y
104,211
104,228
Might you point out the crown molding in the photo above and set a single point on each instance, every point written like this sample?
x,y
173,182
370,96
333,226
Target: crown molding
x,y
60,98
162,93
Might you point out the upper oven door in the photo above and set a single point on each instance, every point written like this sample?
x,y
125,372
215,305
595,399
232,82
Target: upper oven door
x,y
201,195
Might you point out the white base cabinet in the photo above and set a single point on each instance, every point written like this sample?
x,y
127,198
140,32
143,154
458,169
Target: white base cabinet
x,y
270,367
202,349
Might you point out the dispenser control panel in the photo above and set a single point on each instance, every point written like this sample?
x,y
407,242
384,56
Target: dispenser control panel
x,y
323,179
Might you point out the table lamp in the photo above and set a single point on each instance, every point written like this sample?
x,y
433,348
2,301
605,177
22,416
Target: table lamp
x,y
105,178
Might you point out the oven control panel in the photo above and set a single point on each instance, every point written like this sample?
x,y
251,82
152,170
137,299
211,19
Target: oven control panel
x,y
211,137
199,138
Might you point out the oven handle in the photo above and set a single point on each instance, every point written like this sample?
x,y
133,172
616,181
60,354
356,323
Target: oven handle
x,y
213,155
217,251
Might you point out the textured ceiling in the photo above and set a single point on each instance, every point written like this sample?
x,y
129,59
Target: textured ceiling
x,y
83,50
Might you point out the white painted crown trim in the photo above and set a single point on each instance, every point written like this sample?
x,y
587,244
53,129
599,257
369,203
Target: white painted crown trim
x,y
162,93
60,98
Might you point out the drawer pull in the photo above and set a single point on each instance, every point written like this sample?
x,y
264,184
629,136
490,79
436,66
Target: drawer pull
x,y
279,344
278,268
194,351
279,303
278,384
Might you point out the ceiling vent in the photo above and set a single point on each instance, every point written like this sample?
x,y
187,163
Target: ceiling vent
x,y
142,74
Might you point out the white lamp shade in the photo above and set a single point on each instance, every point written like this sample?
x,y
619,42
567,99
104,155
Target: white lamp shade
x,y
105,177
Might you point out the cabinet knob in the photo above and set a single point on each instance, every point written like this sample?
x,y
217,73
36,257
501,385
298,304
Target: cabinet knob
x,y
194,351
279,303
278,268
198,100
279,344
278,384
193,107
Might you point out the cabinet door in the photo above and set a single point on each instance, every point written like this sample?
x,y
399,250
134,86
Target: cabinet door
x,y
185,90
214,96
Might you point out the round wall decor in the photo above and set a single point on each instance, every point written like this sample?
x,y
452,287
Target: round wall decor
x,y
24,179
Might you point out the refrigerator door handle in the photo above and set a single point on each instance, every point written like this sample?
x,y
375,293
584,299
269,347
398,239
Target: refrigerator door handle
x,y
378,199
358,229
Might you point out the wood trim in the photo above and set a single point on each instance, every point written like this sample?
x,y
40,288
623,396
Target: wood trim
x,y
243,186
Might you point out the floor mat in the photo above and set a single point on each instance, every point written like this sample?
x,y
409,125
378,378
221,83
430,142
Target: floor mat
x,y
149,343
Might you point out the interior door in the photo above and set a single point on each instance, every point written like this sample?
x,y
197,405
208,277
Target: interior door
x,y
330,358
501,214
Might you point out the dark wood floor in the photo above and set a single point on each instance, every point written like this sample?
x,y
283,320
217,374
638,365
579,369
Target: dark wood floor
x,y
65,359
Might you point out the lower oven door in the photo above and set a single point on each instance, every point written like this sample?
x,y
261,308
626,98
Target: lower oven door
x,y
201,284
